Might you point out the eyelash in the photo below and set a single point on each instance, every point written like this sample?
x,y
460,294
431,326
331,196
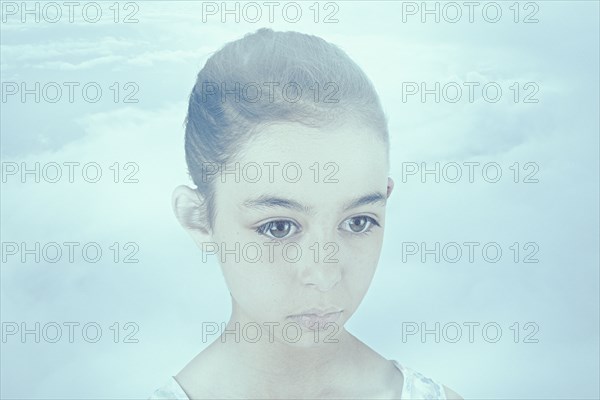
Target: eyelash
x,y
370,221
264,228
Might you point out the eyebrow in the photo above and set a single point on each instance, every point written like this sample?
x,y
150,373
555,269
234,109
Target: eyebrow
x,y
269,202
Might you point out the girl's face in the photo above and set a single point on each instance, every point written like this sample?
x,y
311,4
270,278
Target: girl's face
x,y
300,227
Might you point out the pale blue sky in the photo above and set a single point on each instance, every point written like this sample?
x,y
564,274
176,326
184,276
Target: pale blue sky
x,y
169,292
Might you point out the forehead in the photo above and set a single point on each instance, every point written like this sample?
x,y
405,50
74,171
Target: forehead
x,y
348,144
312,165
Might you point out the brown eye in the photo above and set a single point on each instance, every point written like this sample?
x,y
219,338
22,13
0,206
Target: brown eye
x,y
280,229
361,224
276,229
357,224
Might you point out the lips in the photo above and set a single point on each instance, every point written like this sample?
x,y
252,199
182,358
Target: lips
x,y
319,312
316,319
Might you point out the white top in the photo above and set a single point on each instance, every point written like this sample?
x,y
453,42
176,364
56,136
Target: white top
x,y
416,386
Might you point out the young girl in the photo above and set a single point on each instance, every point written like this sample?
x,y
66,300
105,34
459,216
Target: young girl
x,y
288,146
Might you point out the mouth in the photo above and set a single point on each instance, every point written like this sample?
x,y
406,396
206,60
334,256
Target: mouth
x,y
316,320
319,312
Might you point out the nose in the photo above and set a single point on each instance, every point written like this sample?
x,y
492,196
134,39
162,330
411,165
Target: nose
x,y
321,269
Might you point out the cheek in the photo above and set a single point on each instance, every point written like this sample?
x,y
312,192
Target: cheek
x,y
361,264
360,273
259,288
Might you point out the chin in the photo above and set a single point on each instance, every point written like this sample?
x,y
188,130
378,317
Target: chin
x,y
309,338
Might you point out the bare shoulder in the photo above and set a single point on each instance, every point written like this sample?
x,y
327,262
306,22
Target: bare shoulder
x,y
199,377
451,394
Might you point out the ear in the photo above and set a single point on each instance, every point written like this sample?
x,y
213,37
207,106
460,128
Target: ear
x,y
390,186
190,209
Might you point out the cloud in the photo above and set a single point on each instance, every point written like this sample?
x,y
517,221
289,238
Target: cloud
x,y
169,291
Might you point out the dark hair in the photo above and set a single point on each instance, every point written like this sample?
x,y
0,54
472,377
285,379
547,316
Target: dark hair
x,y
224,108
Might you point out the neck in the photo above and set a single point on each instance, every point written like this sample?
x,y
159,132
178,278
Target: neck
x,y
278,368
